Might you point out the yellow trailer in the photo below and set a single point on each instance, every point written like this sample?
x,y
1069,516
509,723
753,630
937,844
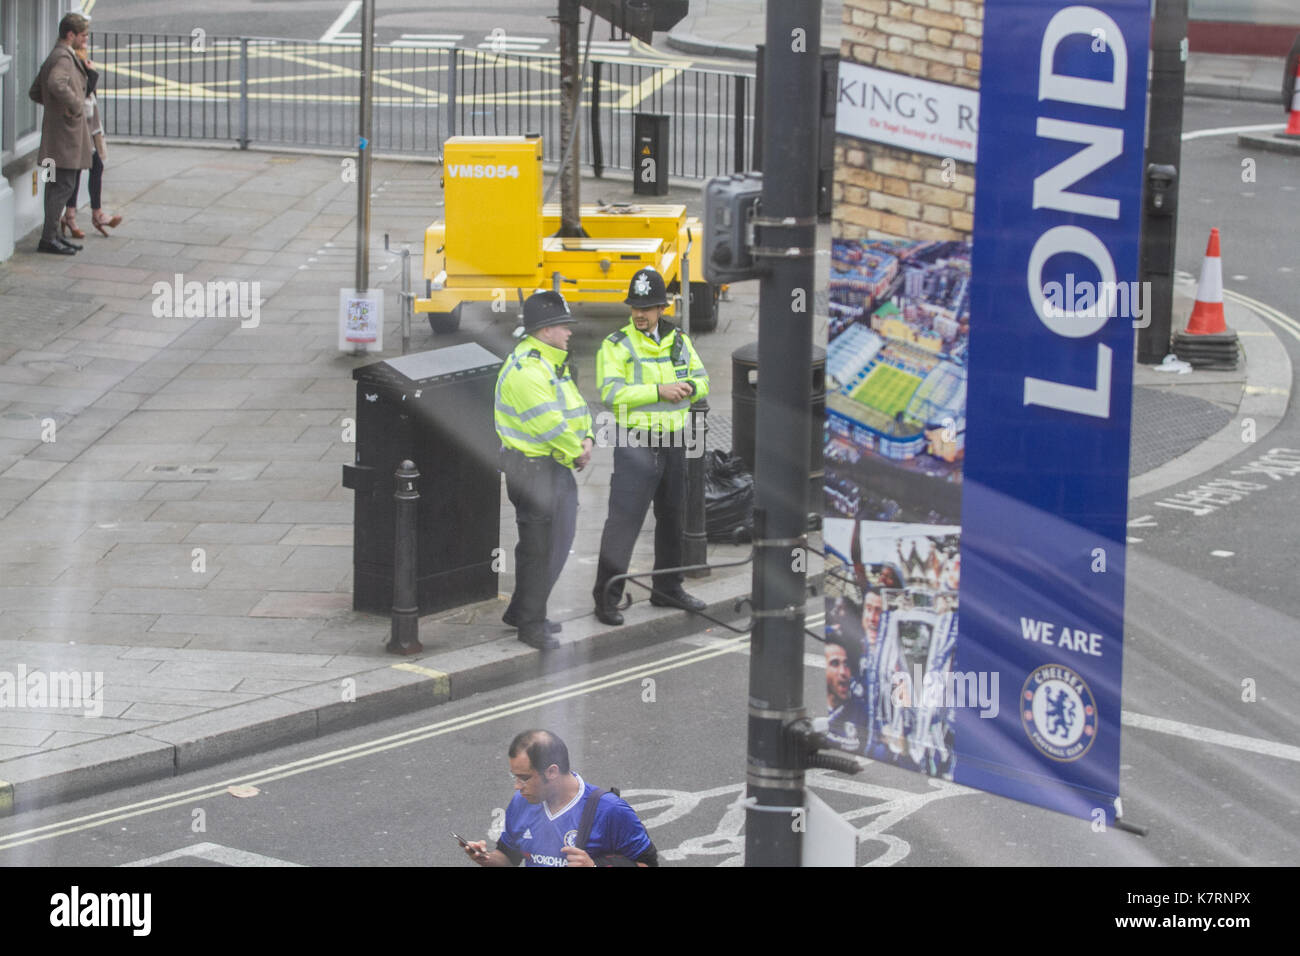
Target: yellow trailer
x,y
498,237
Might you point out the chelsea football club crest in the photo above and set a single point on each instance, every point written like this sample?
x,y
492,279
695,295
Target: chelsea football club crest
x,y
1058,712
571,838
641,285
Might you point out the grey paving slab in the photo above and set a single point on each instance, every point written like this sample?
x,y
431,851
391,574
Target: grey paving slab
x,y
94,471
161,713
330,558
173,491
58,490
66,449
180,696
66,738
307,534
178,427
314,512
205,399
238,634
300,604
47,599
8,752
266,451
75,723
111,574
221,532
68,656
24,736
245,577
264,434
126,531
175,601
251,555
163,452
266,489
20,489
198,511
110,350
93,636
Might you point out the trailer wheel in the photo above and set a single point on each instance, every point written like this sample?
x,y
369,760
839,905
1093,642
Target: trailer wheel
x,y
444,323
704,307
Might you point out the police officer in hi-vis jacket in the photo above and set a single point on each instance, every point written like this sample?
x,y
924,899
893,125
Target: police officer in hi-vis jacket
x,y
649,375
545,431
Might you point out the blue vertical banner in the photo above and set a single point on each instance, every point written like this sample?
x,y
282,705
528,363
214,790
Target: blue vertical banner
x,y
1054,302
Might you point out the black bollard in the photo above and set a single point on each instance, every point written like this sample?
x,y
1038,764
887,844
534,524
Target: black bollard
x,y
695,547
405,637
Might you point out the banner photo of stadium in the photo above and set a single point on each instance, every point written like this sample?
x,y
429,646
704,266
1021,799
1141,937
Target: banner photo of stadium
x,y
988,156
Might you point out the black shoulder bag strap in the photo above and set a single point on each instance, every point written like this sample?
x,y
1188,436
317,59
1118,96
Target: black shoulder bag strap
x,y
588,817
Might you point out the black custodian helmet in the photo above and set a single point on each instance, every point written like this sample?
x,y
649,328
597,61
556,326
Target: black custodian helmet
x,y
543,309
646,290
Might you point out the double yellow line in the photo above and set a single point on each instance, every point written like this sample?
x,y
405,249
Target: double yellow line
x,y
319,761
1284,322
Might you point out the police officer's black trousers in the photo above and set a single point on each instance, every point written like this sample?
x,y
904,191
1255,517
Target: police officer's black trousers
x,y
643,475
545,496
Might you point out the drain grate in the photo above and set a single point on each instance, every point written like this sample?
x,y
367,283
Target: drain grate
x,y
229,471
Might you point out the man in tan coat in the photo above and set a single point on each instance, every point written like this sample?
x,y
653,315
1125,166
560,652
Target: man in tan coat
x,y
60,87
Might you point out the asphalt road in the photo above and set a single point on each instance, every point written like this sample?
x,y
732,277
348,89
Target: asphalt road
x,y
667,726
1213,600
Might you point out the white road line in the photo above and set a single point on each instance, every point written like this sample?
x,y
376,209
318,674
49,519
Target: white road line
x,y
1226,130
433,36
367,748
214,853
1207,735
350,11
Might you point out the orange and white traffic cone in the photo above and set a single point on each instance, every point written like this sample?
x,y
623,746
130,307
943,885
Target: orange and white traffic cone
x,y
1293,124
1207,342
1207,313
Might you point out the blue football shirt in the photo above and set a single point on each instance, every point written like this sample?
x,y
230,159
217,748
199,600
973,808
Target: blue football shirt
x,y
537,836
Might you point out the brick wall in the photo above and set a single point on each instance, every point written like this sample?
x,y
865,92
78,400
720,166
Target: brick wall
x,y
883,190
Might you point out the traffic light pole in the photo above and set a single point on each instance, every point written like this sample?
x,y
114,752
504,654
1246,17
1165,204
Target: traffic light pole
x,y
785,244
1164,148
363,145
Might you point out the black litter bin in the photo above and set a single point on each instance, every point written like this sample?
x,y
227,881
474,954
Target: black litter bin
x,y
434,408
650,149
744,410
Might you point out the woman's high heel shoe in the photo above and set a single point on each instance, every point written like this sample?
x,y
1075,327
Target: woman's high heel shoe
x,y
99,220
68,225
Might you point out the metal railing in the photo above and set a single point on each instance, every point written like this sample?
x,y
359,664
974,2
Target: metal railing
x,y
303,93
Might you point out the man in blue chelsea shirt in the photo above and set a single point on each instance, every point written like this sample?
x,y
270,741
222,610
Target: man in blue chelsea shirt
x,y
544,817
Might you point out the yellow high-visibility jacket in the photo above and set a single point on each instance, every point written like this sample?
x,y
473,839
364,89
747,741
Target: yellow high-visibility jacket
x,y
539,411
631,366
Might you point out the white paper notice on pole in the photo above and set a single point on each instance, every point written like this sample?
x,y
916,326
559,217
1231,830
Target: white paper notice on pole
x,y
361,320
898,110
830,840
